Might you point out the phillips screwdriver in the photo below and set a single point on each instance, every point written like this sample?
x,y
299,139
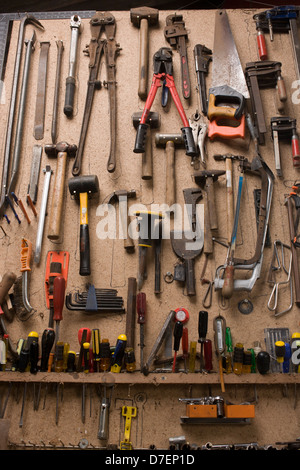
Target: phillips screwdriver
x,y
141,312
59,285
48,339
178,330
220,345
202,332
185,347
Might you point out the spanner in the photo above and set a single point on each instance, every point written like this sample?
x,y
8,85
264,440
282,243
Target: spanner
x,y
76,27
199,130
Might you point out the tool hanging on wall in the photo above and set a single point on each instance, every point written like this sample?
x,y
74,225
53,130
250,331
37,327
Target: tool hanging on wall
x,y
177,36
262,75
281,19
106,301
61,151
153,120
42,217
149,232
96,48
27,19
292,203
32,190
60,49
226,87
163,70
199,127
76,28
279,253
254,264
30,47
39,119
128,412
57,264
26,255
285,128
121,196
81,189
143,18
202,56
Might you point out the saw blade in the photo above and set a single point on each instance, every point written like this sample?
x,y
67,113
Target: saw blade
x,y
226,67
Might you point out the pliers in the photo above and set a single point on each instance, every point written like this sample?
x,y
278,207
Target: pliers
x,y
163,71
199,128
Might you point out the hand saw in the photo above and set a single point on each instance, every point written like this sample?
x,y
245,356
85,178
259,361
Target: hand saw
x,y
228,89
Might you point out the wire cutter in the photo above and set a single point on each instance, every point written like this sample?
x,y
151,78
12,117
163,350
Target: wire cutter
x,y
163,72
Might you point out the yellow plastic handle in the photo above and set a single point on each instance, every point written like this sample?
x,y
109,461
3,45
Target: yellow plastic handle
x,y
218,111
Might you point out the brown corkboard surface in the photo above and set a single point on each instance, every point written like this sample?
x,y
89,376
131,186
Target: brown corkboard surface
x,y
159,410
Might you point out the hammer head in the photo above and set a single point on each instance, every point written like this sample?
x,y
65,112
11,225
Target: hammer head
x,y
52,150
161,140
121,193
201,176
147,13
153,119
83,184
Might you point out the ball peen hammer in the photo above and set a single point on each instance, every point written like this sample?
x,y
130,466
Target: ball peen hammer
x,y
61,151
143,17
81,188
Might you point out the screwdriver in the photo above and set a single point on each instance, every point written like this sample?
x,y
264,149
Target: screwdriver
x,y
34,354
192,359
178,330
129,359
208,355
48,339
59,286
202,332
229,358
238,355
96,347
119,352
86,357
185,347
105,355
220,329
84,336
141,312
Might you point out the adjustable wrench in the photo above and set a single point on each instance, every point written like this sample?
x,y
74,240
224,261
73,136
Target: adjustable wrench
x,y
199,131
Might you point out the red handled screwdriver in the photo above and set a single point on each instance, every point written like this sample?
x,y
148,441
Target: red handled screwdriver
x,y
59,286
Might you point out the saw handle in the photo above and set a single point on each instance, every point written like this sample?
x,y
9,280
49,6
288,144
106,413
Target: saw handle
x,y
215,129
221,95
227,289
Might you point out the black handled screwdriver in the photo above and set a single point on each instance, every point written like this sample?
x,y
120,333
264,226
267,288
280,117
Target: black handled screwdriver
x,y
178,331
202,332
48,339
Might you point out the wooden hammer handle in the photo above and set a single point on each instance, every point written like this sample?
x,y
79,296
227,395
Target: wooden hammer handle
x,y
143,59
57,197
147,165
170,174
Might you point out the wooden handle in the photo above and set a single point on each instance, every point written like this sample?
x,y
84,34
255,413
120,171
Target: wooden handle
x,y
131,311
211,203
147,162
227,289
190,277
170,174
208,242
58,197
143,60
6,283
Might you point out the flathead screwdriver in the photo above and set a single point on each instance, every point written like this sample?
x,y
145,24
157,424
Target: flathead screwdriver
x,y
185,347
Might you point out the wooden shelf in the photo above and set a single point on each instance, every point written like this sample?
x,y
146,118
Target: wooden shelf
x,y
136,378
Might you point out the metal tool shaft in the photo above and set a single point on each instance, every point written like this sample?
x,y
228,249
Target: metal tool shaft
x,y
75,25
40,230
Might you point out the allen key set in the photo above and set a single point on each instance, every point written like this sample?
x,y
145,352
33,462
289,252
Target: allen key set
x,y
97,223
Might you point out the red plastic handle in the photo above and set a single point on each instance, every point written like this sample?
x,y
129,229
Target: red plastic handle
x,y
262,47
59,286
296,151
226,132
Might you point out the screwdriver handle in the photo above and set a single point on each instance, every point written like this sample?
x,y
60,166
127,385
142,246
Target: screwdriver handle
x,y
202,325
59,286
86,357
34,356
261,44
185,342
141,307
96,344
48,338
207,355
178,330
